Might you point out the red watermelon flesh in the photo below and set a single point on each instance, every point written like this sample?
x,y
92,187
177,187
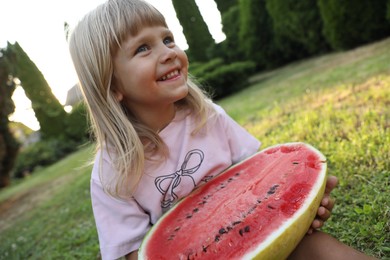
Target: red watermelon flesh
x,y
261,207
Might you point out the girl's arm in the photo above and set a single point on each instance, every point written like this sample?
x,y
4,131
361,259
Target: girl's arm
x,y
132,256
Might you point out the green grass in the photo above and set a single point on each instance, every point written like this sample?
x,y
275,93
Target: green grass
x,y
61,225
339,103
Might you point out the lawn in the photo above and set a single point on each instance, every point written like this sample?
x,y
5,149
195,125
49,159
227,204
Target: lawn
x,y
339,103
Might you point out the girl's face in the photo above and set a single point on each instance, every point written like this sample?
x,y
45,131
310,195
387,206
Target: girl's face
x,y
150,71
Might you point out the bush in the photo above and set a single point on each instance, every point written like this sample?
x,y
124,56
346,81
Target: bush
x,y
350,23
298,24
222,80
42,153
388,11
230,47
77,124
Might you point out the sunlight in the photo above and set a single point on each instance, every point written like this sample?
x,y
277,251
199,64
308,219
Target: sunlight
x,y
23,111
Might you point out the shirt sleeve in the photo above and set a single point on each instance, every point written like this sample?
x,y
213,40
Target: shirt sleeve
x,y
121,224
242,144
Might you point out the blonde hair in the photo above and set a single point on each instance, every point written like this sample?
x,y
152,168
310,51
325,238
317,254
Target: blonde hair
x,y
92,45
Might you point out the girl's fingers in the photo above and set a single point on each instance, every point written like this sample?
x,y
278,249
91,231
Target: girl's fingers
x,y
331,183
323,213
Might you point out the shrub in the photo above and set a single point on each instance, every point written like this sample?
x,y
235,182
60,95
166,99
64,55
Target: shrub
x,y
42,153
222,80
299,23
350,23
388,11
231,46
77,124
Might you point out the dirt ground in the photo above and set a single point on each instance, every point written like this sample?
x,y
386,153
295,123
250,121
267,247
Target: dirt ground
x,y
13,208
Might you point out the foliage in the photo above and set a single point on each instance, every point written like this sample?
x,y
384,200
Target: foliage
x,y
224,5
48,110
256,37
42,153
77,124
222,79
8,144
49,150
388,11
297,24
350,23
195,29
230,48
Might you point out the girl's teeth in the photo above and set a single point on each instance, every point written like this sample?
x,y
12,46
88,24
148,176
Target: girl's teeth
x,y
170,75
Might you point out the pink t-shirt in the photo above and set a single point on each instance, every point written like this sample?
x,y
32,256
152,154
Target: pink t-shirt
x,y
192,161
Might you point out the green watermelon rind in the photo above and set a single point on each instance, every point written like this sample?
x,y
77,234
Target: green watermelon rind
x,y
283,241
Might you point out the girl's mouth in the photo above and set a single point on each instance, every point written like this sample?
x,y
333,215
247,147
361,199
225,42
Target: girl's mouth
x,y
170,75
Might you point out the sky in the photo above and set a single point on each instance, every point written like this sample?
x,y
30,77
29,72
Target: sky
x,y
38,26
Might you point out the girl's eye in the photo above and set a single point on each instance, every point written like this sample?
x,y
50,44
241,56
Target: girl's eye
x,y
142,48
168,40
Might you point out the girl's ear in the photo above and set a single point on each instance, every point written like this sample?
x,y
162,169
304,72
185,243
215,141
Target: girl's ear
x,y
118,95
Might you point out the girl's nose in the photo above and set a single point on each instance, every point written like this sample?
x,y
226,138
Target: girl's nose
x,y
167,54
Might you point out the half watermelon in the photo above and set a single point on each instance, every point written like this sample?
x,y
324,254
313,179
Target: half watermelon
x,y
260,208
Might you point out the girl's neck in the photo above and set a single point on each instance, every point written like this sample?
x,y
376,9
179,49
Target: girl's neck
x,y
157,120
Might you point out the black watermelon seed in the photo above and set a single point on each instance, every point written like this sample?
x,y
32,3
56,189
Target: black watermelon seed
x,y
236,223
217,238
237,174
270,206
230,179
189,216
295,162
246,229
272,190
241,232
204,248
222,231
195,210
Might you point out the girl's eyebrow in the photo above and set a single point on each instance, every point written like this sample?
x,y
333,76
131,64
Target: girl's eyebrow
x,y
138,40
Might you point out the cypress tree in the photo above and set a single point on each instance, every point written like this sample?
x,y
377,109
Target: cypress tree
x,y
195,29
388,10
48,111
256,37
8,145
350,23
231,45
224,5
298,22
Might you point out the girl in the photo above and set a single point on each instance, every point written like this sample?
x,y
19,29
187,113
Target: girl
x,y
158,135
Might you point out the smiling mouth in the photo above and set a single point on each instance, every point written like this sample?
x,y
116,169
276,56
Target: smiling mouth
x,y
170,75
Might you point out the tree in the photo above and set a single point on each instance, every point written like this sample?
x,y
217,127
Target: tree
x,y
350,23
256,37
224,5
48,111
8,145
388,11
299,23
195,29
231,50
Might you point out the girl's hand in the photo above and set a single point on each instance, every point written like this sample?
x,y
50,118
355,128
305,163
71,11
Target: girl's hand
x,y
327,203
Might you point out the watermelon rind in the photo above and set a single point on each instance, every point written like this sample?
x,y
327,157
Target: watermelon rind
x,y
282,241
